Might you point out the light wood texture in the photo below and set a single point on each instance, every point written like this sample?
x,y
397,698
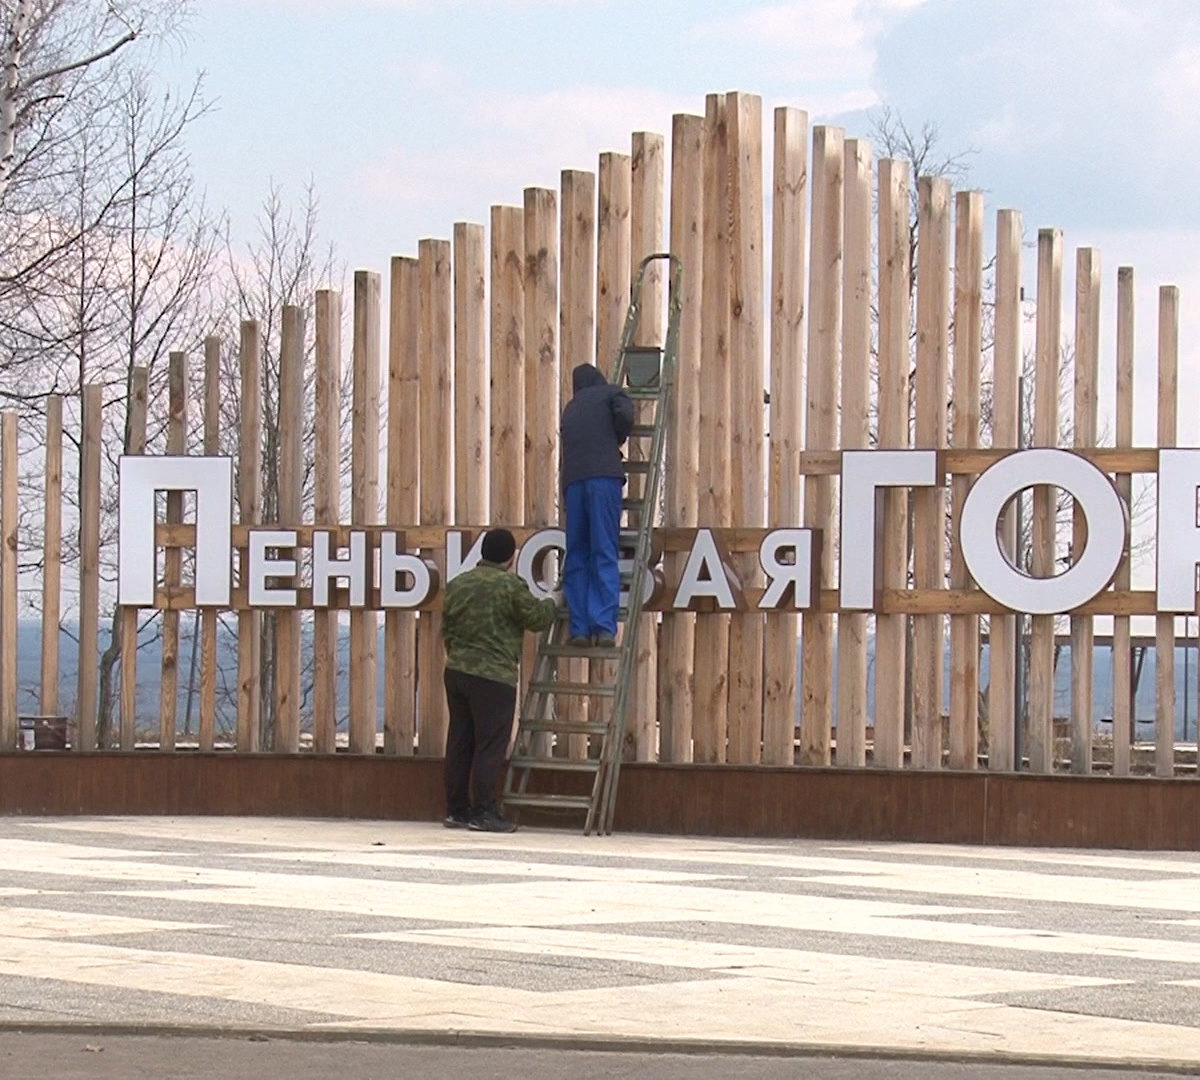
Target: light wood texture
x,y
89,568
613,245
52,555
249,693
139,384
746,405
852,629
824,347
9,544
470,375
1122,658
676,636
646,237
403,470
577,343
508,365
711,649
178,395
327,505
1087,379
290,505
364,500
1006,372
929,504
968,360
1045,433
1164,627
894,276
208,617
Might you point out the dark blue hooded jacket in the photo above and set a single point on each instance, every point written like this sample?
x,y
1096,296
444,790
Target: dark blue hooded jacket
x,y
595,424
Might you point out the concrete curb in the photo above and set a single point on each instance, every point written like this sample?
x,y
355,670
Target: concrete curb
x,y
598,1044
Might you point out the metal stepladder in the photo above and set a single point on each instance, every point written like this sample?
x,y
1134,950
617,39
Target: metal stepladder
x,y
541,719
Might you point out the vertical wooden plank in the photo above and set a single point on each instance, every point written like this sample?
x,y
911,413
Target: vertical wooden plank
x,y
327,506
646,237
577,342
675,698
403,483
178,393
929,504
746,411
291,479
968,360
52,554
856,390
9,542
711,649
1045,433
1006,373
1164,626
508,364
824,350
89,568
470,376
894,277
1087,372
364,503
249,710
138,402
613,245
208,617
1122,717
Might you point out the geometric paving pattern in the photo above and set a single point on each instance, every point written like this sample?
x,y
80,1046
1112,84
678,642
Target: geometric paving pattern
x,y
407,926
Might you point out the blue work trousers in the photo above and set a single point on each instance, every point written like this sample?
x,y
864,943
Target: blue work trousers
x,y
592,577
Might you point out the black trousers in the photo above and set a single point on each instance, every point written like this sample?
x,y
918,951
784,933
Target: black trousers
x,y
481,719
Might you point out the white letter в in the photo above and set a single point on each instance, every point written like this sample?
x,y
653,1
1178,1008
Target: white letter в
x,y
140,478
1107,532
1178,529
864,472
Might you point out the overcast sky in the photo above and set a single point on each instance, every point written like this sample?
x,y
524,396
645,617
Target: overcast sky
x,y
411,114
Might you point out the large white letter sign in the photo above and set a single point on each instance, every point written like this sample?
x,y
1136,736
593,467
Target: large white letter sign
x,y
211,478
327,567
707,576
797,579
532,560
456,562
1107,521
864,473
396,566
1178,529
258,592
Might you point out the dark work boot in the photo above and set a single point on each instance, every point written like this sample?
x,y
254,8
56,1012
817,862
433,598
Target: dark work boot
x,y
488,820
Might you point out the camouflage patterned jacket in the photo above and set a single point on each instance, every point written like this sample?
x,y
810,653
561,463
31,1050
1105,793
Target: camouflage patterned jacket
x,y
484,617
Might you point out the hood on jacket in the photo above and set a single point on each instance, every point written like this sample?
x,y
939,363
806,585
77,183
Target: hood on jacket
x,y
585,375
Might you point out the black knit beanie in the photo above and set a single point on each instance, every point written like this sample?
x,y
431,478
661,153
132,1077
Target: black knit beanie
x,y
498,546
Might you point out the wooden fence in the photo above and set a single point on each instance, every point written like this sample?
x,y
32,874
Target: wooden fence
x,y
832,346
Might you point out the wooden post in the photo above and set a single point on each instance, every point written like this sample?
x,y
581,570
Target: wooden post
x,y
89,568
1164,625
577,343
711,649
1122,654
746,410
178,393
364,504
327,507
470,376
646,238
291,474
856,391
824,350
437,468
890,641
1006,373
138,403
1087,371
968,359
9,484
52,556
929,504
403,494
675,644
249,708
208,617
508,364
1045,433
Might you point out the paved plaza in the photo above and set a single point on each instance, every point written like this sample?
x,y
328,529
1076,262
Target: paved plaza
x,y
394,931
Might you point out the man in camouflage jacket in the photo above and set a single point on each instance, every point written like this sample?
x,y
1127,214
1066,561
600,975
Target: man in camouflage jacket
x,y
484,618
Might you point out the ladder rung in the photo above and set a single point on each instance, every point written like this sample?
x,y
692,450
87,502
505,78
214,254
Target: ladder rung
x,y
574,688
643,393
559,764
583,652
634,504
642,431
565,727
574,802
638,466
